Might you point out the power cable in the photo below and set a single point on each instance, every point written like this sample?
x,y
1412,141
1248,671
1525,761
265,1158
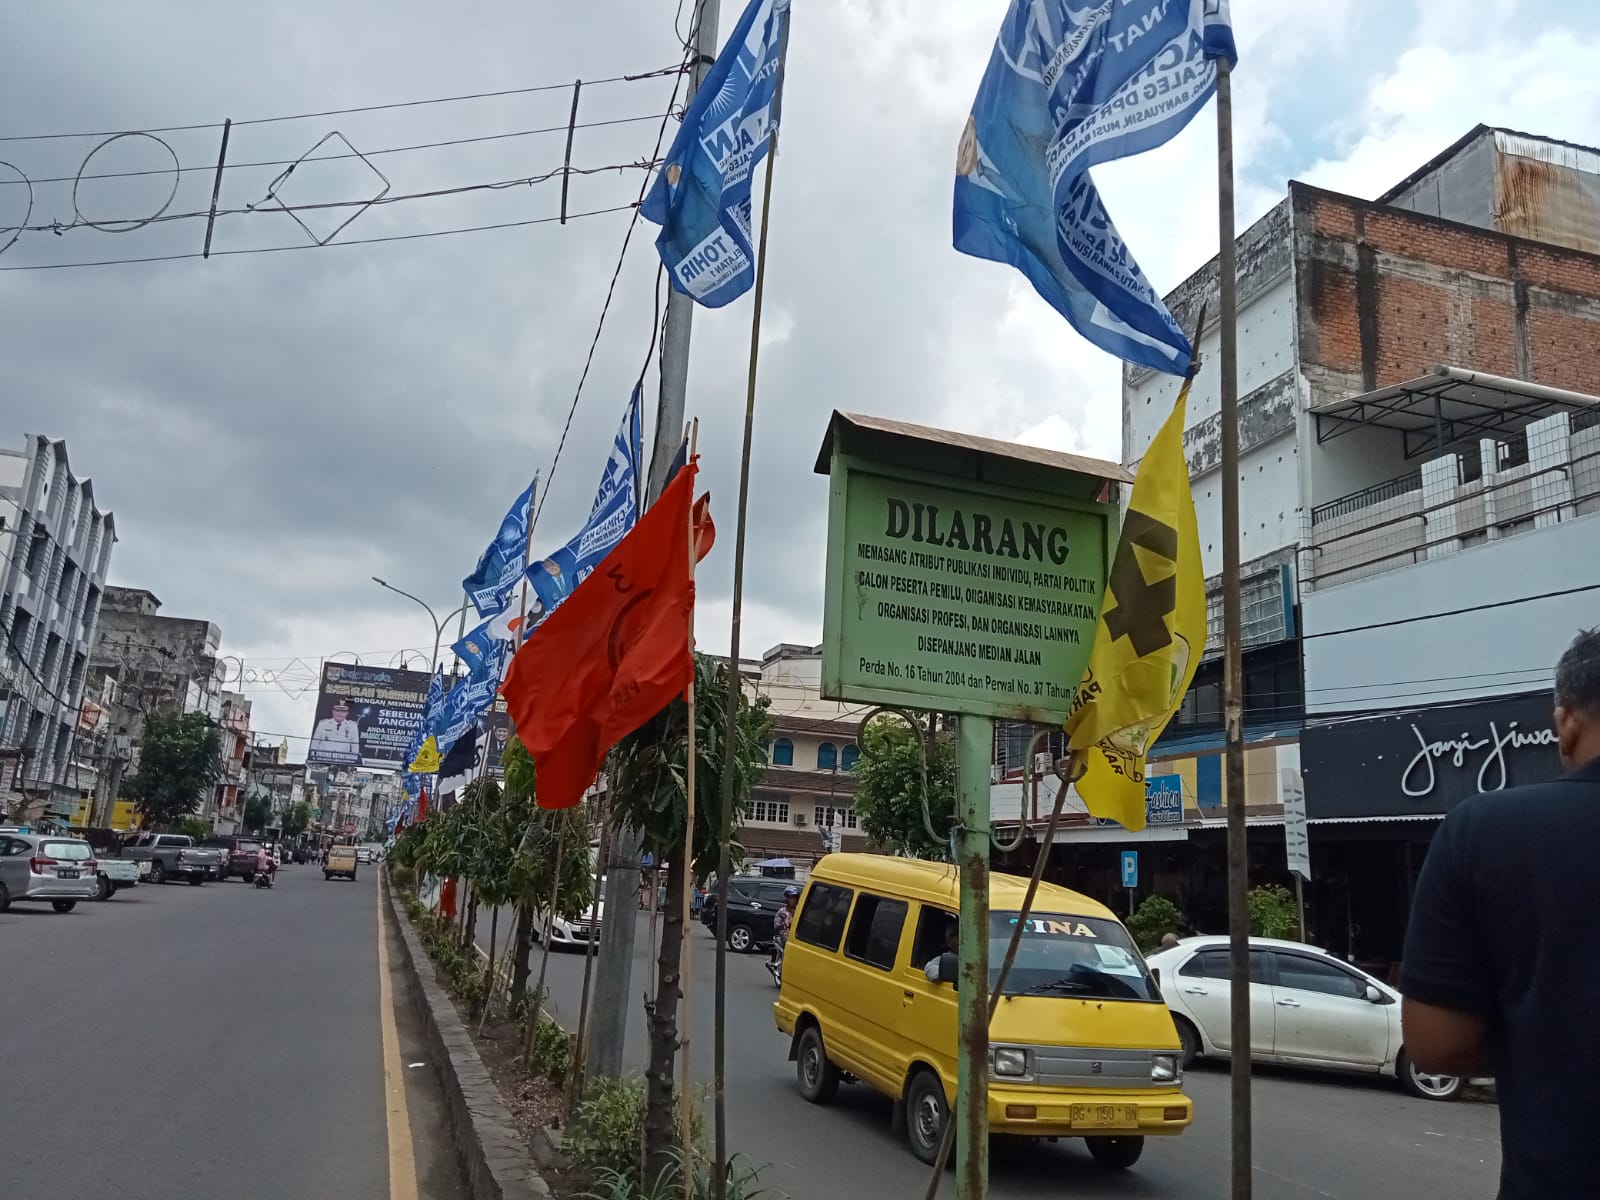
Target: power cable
x,y
265,205
339,112
611,288
210,168
397,237
1454,612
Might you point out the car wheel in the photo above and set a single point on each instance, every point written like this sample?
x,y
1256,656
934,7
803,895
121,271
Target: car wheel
x,y
819,1078
1423,1085
104,888
1117,1153
1188,1040
327,876
63,906
248,877
741,939
158,873
196,880
5,898
926,1113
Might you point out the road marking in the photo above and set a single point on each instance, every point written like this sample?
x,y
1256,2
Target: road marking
x,y
402,1164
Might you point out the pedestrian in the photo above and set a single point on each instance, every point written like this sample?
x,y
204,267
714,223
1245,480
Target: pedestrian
x,y
1496,978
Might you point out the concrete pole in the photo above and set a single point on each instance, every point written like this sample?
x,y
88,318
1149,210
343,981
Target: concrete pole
x,y
974,758
614,963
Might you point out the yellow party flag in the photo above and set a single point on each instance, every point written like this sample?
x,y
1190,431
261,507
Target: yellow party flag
x,y
1150,636
427,759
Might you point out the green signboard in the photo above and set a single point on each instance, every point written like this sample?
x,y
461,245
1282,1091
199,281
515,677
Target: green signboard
x,y
975,594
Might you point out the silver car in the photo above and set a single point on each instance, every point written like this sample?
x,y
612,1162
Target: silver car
x,y
46,866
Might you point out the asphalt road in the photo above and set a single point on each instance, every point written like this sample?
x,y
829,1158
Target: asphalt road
x,y
215,1041
1322,1136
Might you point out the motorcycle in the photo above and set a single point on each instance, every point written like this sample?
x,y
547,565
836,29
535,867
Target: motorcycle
x,y
263,879
774,964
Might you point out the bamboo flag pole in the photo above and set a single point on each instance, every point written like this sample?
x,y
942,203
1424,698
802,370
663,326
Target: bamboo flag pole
x,y
686,871
719,1167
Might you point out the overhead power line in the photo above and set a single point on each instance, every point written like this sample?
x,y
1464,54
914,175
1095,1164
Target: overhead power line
x,y
1454,612
397,237
339,112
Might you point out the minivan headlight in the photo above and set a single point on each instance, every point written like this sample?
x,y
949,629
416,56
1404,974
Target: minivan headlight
x,y
1009,1062
1165,1068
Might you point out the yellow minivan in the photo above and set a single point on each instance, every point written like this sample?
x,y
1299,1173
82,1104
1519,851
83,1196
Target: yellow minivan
x,y
1081,1045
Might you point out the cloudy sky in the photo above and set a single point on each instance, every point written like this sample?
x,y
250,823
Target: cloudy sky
x,y
273,429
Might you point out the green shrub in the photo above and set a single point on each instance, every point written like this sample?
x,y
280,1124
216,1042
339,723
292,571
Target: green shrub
x,y
606,1133
1273,912
402,876
1155,917
552,1051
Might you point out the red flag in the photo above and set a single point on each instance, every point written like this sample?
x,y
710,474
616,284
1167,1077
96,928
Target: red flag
x,y
612,656
422,805
705,529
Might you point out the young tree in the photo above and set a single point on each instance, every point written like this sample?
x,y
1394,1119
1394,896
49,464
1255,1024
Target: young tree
x,y
296,820
889,799
649,793
257,812
180,761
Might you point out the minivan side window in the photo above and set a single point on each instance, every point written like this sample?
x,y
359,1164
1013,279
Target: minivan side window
x,y
821,921
875,930
929,942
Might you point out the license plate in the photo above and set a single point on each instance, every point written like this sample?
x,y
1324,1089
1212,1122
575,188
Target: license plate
x,y
1105,1116
66,874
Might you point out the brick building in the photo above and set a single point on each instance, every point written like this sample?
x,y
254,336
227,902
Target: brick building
x,y
1417,384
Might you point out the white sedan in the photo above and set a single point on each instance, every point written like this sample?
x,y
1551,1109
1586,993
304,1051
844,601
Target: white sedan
x,y
1307,1009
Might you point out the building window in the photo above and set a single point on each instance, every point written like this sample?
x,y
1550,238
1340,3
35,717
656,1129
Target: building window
x,y
842,818
827,756
783,753
850,756
775,811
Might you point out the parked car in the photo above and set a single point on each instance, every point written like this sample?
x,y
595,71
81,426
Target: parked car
x,y
114,873
579,931
753,902
1307,1009
175,856
50,867
241,855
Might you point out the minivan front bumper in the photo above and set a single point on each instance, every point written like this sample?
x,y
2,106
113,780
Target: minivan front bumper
x,y
1052,1112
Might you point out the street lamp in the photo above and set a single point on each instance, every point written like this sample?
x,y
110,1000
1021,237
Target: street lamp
x,y
438,625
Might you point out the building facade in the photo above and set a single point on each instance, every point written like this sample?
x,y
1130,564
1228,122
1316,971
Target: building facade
x,y
803,803
55,549
1418,433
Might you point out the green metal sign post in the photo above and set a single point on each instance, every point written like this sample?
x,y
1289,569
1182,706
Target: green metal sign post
x,y
963,575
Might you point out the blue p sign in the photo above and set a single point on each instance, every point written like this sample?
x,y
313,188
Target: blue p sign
x,y
1130,868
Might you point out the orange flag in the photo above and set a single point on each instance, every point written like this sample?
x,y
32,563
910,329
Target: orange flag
x,y
612,656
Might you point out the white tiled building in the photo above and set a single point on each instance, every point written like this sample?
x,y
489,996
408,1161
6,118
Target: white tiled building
x,y
55,547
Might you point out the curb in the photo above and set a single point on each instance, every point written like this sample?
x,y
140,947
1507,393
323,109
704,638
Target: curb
x,y
495,1162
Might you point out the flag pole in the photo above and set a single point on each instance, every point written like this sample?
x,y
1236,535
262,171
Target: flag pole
x,y
1232,668
719,1166
686,871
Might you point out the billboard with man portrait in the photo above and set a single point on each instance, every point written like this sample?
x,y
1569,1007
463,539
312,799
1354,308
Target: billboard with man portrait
x,y
366,715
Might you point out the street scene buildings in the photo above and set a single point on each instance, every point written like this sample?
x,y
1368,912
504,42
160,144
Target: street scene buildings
x,y
1044,641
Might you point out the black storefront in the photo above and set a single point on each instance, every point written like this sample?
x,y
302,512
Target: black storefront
x,y
1376,788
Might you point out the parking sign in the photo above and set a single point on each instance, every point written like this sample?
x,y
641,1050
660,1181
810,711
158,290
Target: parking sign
x,y
1130,868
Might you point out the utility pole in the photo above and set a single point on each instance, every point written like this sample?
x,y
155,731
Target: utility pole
x,y
614,965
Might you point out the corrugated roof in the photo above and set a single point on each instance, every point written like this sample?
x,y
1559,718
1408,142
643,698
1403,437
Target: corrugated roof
x,y
1098,467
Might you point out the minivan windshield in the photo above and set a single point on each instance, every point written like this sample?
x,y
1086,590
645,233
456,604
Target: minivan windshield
x,y
1087,958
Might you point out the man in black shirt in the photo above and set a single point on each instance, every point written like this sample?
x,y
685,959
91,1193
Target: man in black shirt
x,y
1499,974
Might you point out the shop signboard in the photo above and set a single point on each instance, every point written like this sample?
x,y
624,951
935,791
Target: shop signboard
x,y
1426,760
1163,800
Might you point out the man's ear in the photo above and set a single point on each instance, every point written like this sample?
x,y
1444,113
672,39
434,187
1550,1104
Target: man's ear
x,y
1569,731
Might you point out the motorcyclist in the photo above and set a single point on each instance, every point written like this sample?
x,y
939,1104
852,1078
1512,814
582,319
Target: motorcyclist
x,y
782,922
265,864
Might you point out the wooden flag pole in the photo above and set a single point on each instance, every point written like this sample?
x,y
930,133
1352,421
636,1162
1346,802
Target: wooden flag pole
x,y
686,871
719,1166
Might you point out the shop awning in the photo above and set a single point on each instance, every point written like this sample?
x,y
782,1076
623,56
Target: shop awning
x,y
1450,407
